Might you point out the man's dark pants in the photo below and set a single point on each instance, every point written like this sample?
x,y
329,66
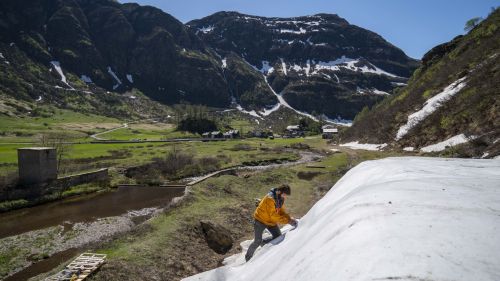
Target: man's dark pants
x,y
257,241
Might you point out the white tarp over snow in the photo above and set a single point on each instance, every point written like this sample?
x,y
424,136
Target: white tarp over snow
x,y
408,218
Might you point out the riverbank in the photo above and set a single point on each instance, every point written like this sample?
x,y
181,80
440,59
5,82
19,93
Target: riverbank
x,y
172,245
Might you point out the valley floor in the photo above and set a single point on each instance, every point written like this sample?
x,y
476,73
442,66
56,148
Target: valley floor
x,y
172,246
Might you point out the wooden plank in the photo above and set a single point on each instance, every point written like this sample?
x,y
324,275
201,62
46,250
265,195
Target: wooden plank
x,y
84,265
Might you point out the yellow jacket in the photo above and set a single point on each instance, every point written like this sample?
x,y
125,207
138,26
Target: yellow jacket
x,y
267,214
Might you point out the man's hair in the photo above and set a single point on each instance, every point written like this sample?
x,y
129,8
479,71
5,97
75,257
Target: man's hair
x,y
285,188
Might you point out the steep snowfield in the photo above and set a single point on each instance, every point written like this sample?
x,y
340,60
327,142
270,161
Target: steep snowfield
x,y
430,106
405,218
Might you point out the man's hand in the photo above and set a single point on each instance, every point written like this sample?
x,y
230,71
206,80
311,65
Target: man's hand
x,y
293,222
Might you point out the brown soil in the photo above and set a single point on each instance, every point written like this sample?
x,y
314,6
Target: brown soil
x,y
189,254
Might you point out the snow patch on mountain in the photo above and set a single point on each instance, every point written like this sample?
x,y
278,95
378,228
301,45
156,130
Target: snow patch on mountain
x,y
456,140
86,79
430,106
57,67
130,78
266,67
283,66
207,29
113,74
300,31
409,218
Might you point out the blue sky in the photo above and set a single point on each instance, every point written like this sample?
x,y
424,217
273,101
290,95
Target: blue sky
x,y
415,26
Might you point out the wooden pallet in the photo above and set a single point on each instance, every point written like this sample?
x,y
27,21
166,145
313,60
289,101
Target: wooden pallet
x,y
80,268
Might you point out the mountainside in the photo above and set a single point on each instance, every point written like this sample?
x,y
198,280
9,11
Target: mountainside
x,y
317,63
88,43
452,97
390,219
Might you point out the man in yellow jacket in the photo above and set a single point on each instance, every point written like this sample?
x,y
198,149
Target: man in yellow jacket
x,y
268,214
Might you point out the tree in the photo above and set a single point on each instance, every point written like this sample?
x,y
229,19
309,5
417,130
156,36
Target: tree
x,y
470,24
62,144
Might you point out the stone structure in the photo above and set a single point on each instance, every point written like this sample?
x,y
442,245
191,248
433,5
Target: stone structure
x,y
100,175
37,165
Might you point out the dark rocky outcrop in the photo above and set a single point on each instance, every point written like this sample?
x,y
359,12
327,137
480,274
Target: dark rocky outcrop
x,y
218,238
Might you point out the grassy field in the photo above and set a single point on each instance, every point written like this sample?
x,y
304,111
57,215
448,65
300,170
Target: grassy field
x,y
145,131
75,126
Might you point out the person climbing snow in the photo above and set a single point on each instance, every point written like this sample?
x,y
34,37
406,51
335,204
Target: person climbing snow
x,y
268,214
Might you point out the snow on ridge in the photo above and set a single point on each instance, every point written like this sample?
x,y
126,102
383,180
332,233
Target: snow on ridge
x,y
113,74
430,106
207,29
395,218
456,140
364,146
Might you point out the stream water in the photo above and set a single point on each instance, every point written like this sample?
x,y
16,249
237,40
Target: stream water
x,y
135,202
84,208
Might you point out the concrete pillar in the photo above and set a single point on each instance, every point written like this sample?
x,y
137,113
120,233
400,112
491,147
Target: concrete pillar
x,y
37,165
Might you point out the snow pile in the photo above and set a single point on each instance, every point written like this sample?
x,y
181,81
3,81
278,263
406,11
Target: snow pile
x,y
405,218
113,74
458,139
430,106
364,146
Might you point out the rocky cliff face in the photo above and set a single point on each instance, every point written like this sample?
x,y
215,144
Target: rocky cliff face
x,y
318,63
454,93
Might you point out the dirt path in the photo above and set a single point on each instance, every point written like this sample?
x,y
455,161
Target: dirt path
x,y
96,136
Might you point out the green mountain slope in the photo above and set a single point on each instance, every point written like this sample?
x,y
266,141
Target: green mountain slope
x,y
468,67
